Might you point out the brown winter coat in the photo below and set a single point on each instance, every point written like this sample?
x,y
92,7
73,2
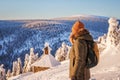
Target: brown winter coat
x,y
78,54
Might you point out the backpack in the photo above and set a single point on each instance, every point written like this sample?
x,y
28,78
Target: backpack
x,y
92,54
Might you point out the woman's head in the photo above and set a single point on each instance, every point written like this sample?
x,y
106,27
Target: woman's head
x,y
76,28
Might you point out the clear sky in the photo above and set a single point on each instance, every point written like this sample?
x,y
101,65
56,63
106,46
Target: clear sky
x,y
44,9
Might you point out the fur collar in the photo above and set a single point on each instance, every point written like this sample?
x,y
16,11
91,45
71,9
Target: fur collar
x,y
81,32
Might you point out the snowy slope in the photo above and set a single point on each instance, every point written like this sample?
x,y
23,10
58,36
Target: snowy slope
x,y
109,66
56,73
107,69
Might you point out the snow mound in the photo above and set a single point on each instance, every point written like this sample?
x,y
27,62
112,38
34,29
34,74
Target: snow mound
x,y
109,66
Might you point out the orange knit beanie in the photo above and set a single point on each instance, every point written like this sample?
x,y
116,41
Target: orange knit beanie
x,y
77,25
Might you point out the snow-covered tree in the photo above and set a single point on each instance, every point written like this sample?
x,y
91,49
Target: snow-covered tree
x,y
19,67
62,52
29,59
26,63
32,56
14,68
36,57
68,52
2,73
102,39
112,36
8,75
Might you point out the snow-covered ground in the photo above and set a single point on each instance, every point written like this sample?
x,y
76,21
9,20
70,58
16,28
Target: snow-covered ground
x,y
109,66
107,69
60,72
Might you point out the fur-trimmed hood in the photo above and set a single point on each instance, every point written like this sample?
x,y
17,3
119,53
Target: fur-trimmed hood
x,y
83,34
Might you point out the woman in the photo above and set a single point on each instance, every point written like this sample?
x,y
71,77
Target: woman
x,y
78,52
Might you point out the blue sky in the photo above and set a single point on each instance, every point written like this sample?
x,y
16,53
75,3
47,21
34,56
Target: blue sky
x,y
43,9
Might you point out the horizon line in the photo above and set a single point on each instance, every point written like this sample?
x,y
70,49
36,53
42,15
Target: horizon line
x,y
57,17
